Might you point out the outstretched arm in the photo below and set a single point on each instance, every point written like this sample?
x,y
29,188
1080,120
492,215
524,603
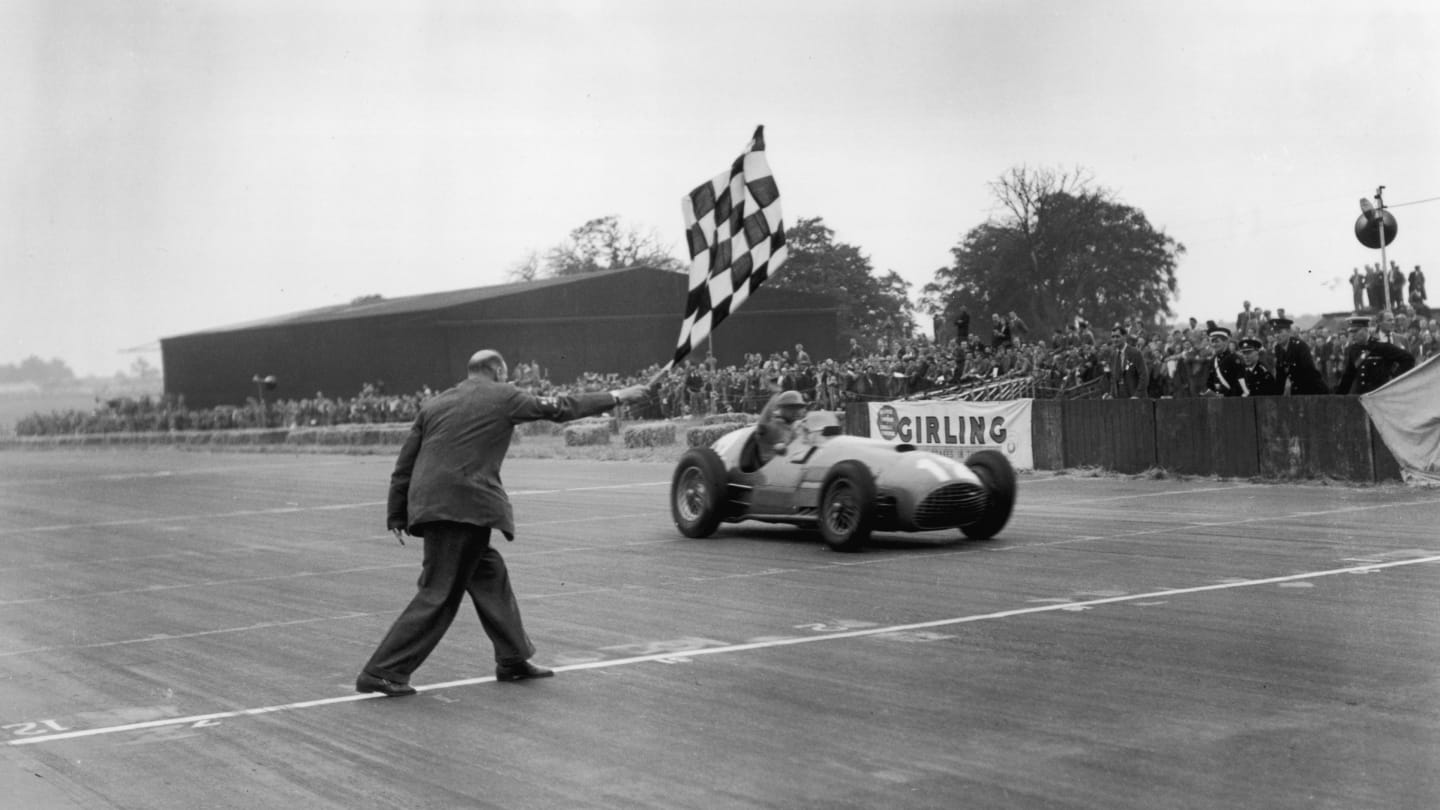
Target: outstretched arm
x,y
526,407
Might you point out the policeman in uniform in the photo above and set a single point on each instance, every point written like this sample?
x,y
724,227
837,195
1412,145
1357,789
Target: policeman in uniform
x,y
1255,379
1225,368
1295,369
1369,362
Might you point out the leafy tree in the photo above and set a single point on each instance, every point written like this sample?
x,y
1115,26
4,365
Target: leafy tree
x,y
527,269
1064,249
41,372
604,244
817,263
142,370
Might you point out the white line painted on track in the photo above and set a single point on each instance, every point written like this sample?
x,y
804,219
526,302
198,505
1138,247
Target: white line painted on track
x,y
363,569
176,636
1211,525
871,561
732,648
291,510
1171,493
293,549
590,489
105,524
136,476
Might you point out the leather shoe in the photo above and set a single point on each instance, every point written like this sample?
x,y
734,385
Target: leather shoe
x,y
370,683
521,671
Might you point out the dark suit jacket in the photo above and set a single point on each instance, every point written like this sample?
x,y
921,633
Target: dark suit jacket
x,y
449,466
1129,376
1371,364
1294,362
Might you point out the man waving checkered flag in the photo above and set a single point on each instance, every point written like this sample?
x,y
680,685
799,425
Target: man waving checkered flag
x,y
736,238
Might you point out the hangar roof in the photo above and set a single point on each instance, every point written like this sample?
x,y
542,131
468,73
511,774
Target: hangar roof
x,y
424,302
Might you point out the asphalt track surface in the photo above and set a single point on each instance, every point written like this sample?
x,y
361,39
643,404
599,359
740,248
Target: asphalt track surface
x,y
183,629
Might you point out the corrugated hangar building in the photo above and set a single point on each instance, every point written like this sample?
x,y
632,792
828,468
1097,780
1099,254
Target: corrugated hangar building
x,y
619,321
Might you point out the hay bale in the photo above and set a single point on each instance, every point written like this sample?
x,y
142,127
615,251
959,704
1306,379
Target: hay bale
x,y
609,421
650,434
582,435
538,428
732,419
706,435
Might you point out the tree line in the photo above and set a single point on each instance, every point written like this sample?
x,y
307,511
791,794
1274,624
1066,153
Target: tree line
x,y
1059,247
56,373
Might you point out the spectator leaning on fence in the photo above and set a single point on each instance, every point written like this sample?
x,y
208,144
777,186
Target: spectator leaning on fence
x,y
1129,378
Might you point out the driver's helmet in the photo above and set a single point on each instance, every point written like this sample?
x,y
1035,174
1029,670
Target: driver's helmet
x,y
790,405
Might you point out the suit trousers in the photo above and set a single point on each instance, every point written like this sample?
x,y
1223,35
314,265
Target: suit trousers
x,y
458,560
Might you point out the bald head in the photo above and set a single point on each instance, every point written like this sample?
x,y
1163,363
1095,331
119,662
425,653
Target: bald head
x,y
487,363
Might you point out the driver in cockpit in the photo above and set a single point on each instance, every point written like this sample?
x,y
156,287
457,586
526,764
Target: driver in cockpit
x,y
776,427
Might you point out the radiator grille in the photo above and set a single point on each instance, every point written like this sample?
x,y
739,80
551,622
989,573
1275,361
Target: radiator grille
x,y
951,505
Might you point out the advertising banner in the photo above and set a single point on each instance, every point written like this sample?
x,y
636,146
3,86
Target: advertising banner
x,y
957,429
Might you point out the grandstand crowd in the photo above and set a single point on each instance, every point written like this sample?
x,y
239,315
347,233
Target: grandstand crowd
x,y
1003,360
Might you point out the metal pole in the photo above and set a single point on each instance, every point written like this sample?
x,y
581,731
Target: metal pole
x,y
260,396
1384,264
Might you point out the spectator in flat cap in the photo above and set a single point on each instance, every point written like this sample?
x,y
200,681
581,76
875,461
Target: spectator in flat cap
x,y
1369,362
1296,372
1225,367
1255,379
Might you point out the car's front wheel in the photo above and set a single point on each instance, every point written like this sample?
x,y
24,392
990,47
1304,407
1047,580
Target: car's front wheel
x,y
697,492
847,506
995,473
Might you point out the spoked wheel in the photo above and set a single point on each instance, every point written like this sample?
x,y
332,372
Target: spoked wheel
x,y
847,506
995,473
697,492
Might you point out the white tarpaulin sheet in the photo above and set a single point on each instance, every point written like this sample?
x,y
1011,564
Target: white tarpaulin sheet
x,y
1406,414
957,429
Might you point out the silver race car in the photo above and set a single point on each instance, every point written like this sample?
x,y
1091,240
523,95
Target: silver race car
x,y
846,486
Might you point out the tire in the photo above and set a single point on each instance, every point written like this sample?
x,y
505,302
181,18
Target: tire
x,y
994,471
847,506
698,492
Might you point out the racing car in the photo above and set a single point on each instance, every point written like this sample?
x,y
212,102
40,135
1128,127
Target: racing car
x,y
846,486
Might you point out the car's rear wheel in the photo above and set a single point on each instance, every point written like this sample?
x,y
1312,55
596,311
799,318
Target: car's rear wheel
x,y
697,492
998,477
847,506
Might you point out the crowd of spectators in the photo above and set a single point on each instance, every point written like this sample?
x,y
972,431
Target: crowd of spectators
x,y
1379,289
1132,358
170,413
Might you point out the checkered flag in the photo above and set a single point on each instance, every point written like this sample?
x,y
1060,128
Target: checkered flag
x,y
736,238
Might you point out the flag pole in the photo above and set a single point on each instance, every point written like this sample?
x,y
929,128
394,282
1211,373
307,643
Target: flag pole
x,y
1380,229
710,338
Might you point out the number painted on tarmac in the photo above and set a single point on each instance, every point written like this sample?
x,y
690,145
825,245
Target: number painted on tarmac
x,y
837,626
179,731
33,728
914,636
676,645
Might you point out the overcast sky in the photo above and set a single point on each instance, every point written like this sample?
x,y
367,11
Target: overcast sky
x,y
168,167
